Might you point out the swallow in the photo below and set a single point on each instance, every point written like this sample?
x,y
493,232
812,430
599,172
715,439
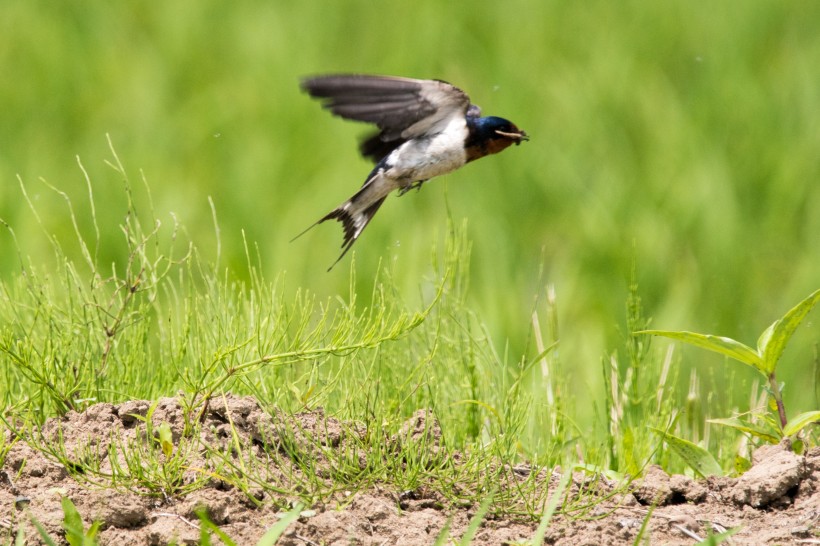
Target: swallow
x,y
426,128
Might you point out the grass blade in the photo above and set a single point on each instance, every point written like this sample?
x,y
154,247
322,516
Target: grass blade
x,y
20,538
272,535
475,523
207,527
444,534
555,498
44,536
204,536
639,538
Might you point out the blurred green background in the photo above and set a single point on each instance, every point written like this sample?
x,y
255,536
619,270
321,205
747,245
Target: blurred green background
x,y
681,136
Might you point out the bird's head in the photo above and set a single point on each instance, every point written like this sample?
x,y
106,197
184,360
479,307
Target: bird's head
x,y
500,128
492,134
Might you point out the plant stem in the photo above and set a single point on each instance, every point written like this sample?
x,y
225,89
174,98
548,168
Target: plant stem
x,y
778,400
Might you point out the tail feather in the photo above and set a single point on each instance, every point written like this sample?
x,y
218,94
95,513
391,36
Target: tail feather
x,y
353,223
355,213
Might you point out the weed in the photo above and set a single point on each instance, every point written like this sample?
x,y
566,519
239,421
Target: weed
x,y
75,532
207,528
764,359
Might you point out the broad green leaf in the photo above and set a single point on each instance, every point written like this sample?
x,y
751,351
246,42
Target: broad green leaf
x,y
695,456
633,466
272,535
72,523
765,337
742,464
773,341
772,404
166,439
94,530
761,431
797,424
723,345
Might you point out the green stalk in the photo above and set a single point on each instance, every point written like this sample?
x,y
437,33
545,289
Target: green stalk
x,y
778,400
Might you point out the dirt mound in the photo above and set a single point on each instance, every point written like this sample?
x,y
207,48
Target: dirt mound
x,y
777,501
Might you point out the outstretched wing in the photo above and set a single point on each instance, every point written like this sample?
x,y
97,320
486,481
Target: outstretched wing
x,y
402,108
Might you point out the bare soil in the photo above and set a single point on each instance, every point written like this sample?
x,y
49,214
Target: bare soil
x,y
776,502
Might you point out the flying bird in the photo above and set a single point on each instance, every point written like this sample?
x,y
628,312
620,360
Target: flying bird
x,y
426,128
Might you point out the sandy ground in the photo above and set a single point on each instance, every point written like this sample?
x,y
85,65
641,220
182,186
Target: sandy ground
x,y
776,502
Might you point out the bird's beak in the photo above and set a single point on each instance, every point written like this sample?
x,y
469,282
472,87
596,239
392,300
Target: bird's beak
x,y
517,137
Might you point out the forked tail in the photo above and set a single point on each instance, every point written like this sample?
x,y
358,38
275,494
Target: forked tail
x,y
355,213
353,223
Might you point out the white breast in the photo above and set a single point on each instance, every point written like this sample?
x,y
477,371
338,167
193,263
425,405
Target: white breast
x,y
425,158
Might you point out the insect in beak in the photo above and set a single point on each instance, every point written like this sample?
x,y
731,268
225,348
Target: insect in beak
x,y
517,137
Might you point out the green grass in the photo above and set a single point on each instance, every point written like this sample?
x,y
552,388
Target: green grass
x,y
81,333
681,136
78,332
